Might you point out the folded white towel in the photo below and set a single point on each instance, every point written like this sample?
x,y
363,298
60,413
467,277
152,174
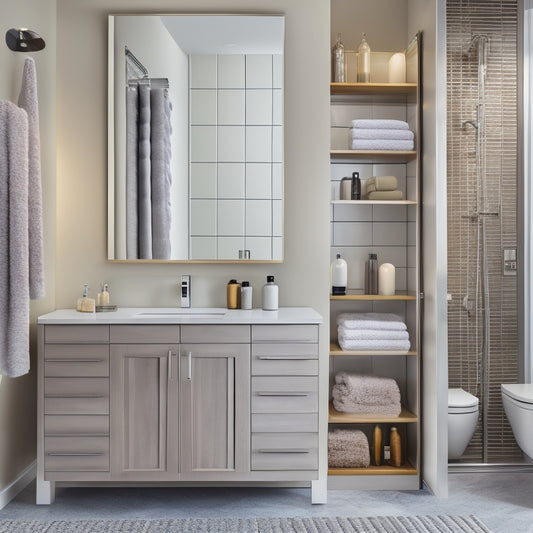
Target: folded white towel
x,y
377,133
371,321
381,183
381,144
374,344
378,123
373,334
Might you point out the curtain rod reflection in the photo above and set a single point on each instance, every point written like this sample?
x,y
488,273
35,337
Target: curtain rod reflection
x,y
140,76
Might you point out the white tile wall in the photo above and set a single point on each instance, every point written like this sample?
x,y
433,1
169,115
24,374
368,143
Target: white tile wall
x,y
231,106
277,181
277,71
259,180
258,71
228,247
260,247
203,144
231,217
258,218
230,180
203,71
203,106
259,107
230,73
203,247
230,143
203,180
259,144
203,217
277,218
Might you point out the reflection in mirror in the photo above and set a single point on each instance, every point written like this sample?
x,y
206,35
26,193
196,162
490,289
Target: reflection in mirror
x,y
196,137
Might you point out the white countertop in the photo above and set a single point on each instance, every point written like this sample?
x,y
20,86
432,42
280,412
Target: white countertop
x,y
177,315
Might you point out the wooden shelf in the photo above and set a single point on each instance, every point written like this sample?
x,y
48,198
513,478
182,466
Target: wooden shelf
x,y
374,202
335,350
373,88
335,417
382,470
372,297
379,155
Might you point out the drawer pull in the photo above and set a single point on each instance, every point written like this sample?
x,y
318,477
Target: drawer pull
x,y
88,396
283,450
75,454
73,360
284,358
76,434
282,394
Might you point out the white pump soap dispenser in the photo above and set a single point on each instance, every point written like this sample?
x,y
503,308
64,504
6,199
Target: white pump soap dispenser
x,y
339,276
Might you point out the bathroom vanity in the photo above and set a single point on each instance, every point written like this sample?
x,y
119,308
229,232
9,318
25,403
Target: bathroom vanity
x,y
177,395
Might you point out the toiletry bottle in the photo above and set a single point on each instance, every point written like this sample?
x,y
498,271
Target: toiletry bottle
x,y
356,186
387,279
246,295
338,61
102,298
345,192
234,294
371,274
86,304
269,295
395,448
363,62
378,439
339,276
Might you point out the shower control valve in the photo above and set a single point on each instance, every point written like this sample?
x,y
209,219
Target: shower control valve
x,y
510,264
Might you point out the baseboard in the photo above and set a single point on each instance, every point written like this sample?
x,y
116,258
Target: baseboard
x,y
24,479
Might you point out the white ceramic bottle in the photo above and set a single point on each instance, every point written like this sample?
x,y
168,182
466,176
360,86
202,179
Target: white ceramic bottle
x,y
387,279
246,295
339,276
270,295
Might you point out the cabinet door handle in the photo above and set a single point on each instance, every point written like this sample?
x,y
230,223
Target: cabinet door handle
x,y
74,454
282,394
73,360
284,358
87,396
169,370
283,450
189,365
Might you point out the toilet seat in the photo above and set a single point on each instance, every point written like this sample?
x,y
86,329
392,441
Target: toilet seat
x,y
519,393
461,402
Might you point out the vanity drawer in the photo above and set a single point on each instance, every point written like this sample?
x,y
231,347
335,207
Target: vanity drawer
x,y
67,425
76,454
74,360
145,334
285,333
285,394
215,333
284,423
285,359
76,396
77,334
284,451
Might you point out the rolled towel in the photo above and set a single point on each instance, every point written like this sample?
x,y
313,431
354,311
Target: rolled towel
x,y
371,321
385,195
374,344
377,133
381,183
348,448
363,394
381,144
380,123
373,334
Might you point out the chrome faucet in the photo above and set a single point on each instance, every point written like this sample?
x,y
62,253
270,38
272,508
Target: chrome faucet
x,y
186,290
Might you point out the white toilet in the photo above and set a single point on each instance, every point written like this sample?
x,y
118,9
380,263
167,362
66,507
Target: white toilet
x,y
463,413
518,405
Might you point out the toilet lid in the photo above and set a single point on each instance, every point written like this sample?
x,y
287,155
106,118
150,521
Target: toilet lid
x,y
461,398
523,392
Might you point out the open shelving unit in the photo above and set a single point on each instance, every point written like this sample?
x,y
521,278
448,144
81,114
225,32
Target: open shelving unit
x,y
372,216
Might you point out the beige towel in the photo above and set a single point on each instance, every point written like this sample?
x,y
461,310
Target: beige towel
x,y
385,195
348,448
381,183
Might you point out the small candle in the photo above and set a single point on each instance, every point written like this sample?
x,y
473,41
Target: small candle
x,y
387,279
397,68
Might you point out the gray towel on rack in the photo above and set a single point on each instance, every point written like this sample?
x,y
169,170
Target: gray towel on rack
x,y
29,102
144,175
161,174
132,183
14,257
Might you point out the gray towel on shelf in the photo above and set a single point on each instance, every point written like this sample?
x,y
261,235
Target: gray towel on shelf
x,y
381,144
361,394
374,344
132,183
380,123
348,448
29,102
367,133
14,241
144,175
373,334
161,174
371,321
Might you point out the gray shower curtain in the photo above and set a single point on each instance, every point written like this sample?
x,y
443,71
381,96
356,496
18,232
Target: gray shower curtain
x,y
148,175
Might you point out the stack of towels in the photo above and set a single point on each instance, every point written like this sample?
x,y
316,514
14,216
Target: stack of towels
x,y
372,331
382,188
381,134
366,395
348,448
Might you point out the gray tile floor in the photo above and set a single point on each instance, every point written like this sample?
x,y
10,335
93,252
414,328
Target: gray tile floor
x,y
503,501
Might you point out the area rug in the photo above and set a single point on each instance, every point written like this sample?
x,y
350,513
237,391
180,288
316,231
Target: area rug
x,y
380,524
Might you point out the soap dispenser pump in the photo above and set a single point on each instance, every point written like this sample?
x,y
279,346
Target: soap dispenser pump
x,y
102,298
86,304
339,276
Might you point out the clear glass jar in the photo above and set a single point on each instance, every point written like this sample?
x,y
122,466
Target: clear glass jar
x,y
339,75
363,62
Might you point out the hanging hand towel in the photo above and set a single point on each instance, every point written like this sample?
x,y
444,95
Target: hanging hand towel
x,y
14,279
29,102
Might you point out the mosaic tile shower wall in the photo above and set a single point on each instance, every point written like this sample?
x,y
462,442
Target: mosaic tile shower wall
x,y
498,20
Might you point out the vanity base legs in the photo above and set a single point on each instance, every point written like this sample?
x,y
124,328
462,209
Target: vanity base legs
x,y
46,492
319,491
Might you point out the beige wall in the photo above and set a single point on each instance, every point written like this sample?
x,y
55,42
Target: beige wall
x,y
17,396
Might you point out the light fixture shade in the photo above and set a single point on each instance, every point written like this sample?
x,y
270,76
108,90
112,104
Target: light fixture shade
x,y
24,40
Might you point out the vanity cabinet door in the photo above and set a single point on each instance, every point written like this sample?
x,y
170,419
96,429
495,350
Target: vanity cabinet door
x,y
214,410
144,408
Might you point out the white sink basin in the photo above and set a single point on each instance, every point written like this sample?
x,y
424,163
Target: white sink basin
x,y
185,313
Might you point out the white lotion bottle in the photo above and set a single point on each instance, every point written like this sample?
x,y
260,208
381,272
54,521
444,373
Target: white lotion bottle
x,y
269,295
387,279
246,295
339,276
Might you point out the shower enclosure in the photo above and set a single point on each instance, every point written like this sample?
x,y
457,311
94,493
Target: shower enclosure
x,y
482,103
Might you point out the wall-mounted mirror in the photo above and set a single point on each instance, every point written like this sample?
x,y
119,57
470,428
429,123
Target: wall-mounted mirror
x,y
195,138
